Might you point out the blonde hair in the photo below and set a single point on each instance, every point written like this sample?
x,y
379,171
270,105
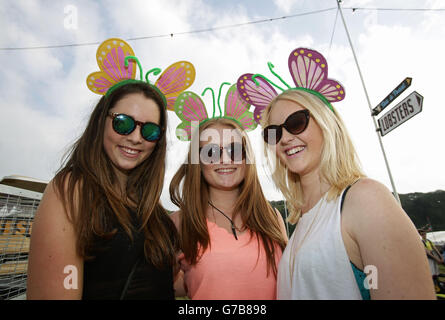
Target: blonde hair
x,y
339,164
193,195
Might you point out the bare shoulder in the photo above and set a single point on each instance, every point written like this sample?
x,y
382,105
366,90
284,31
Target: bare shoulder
x,y
368,189
370,197
370,207
51,201
387,239
52,249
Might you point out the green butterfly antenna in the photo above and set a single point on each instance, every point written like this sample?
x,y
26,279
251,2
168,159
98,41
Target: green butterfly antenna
x,y
155,71
213,98
219,97
121,83
137,61
271,66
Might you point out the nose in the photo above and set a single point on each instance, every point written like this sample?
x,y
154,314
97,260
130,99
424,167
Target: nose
x,y
226,157
135,137
286,137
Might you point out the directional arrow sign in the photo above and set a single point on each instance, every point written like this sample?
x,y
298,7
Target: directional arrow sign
x,y
406,109
392,96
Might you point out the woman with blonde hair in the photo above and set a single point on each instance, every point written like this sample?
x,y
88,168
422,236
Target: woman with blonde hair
x,y
231,237
356,244
365,247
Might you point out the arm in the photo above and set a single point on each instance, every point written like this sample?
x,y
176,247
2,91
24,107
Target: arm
x,y
430,255
438,256
180,290
388,240
53,252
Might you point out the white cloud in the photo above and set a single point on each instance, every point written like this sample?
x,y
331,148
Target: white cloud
x,y
285,5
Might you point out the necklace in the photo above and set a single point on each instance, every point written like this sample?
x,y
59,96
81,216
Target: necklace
x,y
231,221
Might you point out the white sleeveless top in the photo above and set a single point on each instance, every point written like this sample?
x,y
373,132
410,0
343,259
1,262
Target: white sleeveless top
x,y
321,269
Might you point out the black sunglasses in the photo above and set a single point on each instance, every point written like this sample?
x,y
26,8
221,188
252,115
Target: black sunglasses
x,y
124,124
296,123
212,153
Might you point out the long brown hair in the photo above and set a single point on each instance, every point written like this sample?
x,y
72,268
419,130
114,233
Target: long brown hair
x,y
86,184
192,199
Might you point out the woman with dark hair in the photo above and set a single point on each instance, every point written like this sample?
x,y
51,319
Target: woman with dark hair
x,y
100,231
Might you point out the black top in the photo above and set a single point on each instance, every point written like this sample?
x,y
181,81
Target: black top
x,y
106,274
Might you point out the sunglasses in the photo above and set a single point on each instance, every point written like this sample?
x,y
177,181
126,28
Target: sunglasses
x,y
212,153
124,124
296,123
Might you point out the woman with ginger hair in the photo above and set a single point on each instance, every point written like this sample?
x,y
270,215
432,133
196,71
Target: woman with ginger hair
x,y
231,237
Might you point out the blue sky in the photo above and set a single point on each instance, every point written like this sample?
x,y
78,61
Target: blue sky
x,y
45,102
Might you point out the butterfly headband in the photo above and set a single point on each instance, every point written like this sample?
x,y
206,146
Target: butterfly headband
x,y
117,62
308,69
190,108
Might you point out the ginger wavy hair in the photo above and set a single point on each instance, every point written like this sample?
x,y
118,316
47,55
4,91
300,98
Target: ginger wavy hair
x,y
339,165
192,199
86,184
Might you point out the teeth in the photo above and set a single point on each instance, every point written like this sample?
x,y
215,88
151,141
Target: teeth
x,y
294,150
225,170
130,151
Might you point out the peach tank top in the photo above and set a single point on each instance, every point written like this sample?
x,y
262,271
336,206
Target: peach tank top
x,y
230,269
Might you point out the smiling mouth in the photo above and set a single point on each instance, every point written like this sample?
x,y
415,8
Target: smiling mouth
x,y
129,151
295,150
225,170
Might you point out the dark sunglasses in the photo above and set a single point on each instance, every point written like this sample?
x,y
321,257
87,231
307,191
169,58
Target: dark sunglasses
x,y
124,124
212,153
296,123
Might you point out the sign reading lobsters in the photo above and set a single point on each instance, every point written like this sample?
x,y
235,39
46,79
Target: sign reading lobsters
x,y
403,111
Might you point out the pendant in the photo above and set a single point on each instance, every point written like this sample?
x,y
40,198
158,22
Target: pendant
x,y
234,232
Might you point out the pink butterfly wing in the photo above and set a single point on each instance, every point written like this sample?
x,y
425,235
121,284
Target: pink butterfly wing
x,y
258,96
188,107
309,69
238,108
174,80
110,58
332,90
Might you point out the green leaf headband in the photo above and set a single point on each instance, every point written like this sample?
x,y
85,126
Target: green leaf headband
x,y
190,108
116,60
308,69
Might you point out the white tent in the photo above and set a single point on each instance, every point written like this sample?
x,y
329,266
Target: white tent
x,y
438,237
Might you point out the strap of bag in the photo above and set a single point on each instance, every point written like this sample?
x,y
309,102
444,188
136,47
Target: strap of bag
x,y
344,195
130,276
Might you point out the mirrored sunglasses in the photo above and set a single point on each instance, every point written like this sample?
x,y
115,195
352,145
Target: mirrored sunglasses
x,y
124,124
